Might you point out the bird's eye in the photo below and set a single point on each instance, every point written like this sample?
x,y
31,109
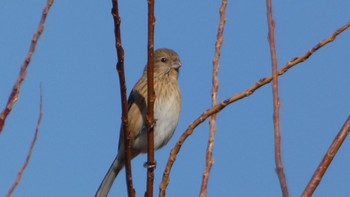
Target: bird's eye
x,y
163,59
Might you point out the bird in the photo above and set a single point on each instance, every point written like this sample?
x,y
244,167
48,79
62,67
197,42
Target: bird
x,y
167,107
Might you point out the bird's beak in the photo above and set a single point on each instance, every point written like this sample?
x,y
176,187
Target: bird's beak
x,y
176,65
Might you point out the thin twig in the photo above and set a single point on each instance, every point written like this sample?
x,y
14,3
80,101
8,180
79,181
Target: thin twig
x,y
215,81
13,98
26,162
124,102
276,102
217,108
150,100
327,159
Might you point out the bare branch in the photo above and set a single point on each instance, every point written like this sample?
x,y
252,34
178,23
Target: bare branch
x,y
327,159
26,162
124,102
276,102
215,81
17,86
217,108
150,100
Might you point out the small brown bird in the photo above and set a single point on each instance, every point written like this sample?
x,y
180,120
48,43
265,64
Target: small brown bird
x,y
167,107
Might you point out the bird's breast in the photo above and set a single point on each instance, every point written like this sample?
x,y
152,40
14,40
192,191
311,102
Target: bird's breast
x,y
166,114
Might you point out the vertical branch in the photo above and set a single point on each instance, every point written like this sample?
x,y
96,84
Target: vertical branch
x,y
26,162
124,102
150,100
276,101
17,86
327,159
215,81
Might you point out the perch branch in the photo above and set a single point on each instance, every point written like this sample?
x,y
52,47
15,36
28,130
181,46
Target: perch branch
x,y
150,100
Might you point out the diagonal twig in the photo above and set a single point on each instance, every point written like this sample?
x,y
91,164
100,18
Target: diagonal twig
x,y
276,102
13,98
26,162
327,159
212,122
217,108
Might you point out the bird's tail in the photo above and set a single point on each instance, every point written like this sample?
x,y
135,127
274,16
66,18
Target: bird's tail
x,y
109,178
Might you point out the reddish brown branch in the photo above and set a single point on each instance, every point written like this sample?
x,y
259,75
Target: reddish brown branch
x,y
217,108
26,162
124,102
17,86
327,159
276,102
215,81
150,100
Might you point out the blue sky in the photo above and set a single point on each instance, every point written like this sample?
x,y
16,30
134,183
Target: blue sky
x,y
75,63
